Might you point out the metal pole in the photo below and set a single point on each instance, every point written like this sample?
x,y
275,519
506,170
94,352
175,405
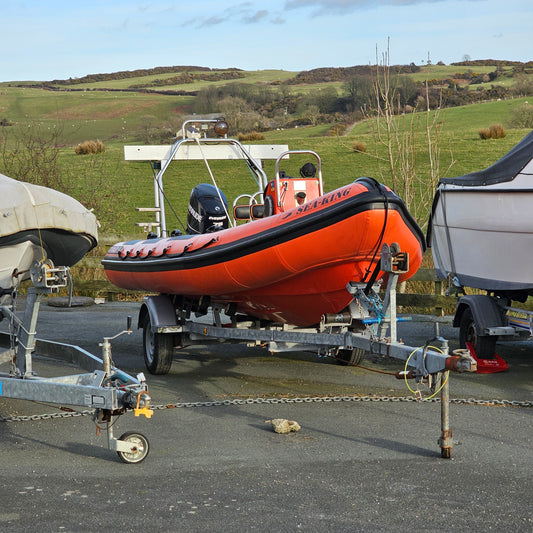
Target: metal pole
x,y
157,205
389,308
106,356
27,332
163,218
446,442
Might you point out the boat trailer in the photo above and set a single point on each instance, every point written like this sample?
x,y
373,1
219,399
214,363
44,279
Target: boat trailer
x,y
104,388
369,324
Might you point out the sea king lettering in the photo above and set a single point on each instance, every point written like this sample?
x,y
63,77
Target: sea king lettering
x,y
324,200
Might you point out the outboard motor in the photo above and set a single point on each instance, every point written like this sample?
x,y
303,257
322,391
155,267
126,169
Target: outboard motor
x,y
206,211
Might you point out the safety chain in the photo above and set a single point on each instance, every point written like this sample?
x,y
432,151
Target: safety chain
x,y
22,418
308,399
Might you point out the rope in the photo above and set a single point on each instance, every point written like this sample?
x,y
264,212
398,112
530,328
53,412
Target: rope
x,y
37,219
213,180
377,248
417,392
167,200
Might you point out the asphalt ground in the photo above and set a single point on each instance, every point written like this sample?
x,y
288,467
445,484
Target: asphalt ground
x,y
353,466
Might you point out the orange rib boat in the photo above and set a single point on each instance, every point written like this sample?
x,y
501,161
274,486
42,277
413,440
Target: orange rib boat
x,y
291,266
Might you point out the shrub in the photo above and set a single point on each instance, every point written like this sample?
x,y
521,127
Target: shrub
x,y
523,86
336,130
522,116
252,136
359,146
89,147
495,131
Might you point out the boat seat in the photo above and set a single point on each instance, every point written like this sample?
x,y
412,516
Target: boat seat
x,y
248,212
293,193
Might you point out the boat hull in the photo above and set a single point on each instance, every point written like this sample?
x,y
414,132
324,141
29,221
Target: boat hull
x,y
39,223
292,267
482,234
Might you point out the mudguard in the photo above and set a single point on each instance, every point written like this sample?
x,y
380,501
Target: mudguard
x,y
486,312
160,310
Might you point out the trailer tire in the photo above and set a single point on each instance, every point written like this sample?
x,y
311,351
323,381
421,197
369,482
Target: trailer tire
x,y
350,357
484,345
157,349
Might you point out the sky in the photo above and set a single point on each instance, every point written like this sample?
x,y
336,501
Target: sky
x,y
43,40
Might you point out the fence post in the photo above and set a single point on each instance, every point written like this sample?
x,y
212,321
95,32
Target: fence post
x,y
439,290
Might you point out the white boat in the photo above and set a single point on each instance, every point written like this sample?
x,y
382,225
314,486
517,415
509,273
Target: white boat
x,y
481,226
40,224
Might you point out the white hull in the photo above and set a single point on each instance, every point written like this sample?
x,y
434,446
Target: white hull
x,y
483,234
15,262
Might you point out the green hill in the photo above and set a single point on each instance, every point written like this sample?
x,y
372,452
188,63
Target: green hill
x,y
116,106
106,107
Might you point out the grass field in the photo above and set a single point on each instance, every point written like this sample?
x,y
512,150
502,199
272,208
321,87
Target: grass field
x,y
250,76
115,117
461,151
110,116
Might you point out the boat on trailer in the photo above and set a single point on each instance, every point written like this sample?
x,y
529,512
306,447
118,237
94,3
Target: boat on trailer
x,y
43,233
481,236
290,262
290,267
294,268
39,224
481,228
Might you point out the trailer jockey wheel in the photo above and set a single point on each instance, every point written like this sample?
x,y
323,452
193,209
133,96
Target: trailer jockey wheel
x,y
157,348
484,345
140,450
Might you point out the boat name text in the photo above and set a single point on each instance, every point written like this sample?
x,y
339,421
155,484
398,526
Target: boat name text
x,y
324,200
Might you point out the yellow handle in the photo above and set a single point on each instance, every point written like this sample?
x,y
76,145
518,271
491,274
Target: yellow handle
x,y
143,410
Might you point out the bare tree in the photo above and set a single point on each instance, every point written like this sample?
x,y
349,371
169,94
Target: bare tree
x,y
412,148
30,153
311,114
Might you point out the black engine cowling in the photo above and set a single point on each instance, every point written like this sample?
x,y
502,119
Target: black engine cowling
x,y
207,210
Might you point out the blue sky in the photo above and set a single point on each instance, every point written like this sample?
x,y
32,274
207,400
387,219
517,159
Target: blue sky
x,y
50,39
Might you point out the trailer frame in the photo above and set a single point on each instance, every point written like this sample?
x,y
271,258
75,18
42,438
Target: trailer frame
x,y
368,325
104,388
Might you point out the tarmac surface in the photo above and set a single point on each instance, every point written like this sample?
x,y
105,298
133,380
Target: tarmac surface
x,y
354,465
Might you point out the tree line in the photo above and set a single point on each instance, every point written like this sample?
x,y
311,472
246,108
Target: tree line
x,y
261,107
138,73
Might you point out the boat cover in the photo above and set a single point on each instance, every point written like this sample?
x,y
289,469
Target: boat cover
x,y
47,222
26,206
505,169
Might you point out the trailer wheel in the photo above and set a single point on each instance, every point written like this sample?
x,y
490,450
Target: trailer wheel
x,y
140,450
484,345
350,357
157,349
